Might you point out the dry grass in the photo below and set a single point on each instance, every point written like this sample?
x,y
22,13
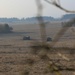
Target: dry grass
x,y
15,57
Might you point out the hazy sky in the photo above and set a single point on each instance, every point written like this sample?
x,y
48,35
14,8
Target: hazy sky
x,y
28,8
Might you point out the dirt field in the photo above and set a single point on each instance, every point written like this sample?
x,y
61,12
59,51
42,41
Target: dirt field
x,y
16,57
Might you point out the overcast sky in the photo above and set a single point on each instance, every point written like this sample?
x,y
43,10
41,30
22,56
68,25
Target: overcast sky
x,y
28,8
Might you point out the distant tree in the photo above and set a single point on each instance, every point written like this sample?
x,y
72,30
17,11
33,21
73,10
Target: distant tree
x,y
4,28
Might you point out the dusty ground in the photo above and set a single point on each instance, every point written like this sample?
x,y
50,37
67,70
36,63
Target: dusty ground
x,y
16,57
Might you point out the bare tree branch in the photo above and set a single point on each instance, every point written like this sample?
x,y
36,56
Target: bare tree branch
x,y
59,6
